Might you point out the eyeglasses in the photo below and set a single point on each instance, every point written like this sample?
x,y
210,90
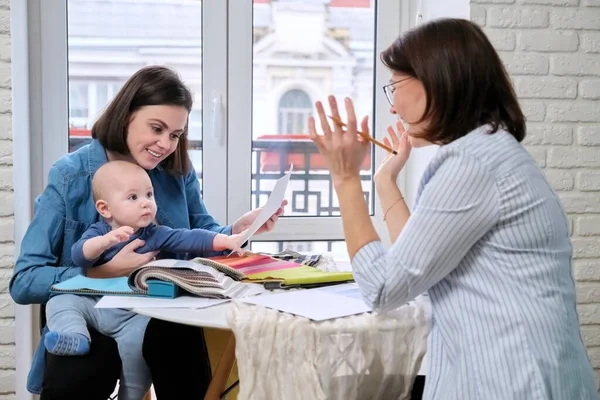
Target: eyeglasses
x,y
390,88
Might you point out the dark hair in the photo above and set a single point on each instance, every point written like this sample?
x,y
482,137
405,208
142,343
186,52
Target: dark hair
x,y
149,86
464,79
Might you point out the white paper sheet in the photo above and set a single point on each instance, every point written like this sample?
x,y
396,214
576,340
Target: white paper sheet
x,y
153,302
345,289
315,304
271,206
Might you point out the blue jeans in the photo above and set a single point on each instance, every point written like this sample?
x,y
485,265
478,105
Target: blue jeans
x,y
72,313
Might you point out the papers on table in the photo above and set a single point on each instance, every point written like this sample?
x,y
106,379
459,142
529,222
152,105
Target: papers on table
x,y
270,208
153,302
317,304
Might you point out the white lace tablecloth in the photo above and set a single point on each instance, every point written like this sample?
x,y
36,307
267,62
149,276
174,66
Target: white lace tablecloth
x,y
368,356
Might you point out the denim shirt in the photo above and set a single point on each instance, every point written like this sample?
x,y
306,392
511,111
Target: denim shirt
x,y
66,209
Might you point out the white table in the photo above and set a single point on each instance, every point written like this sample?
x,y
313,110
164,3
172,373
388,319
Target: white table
x,y
215,317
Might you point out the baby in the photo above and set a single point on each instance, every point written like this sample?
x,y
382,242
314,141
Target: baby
x,y
124,198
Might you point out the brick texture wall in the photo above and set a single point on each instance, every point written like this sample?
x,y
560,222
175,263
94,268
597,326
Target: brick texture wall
x,y
552,51
7,322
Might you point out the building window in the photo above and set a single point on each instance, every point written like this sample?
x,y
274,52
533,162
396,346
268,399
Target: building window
x,y
295,107
79,104
105,92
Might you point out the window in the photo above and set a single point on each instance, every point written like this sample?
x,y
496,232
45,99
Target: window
x,y
105,47
300,52
294,109
255,75
79,96
105,91
333,248
87,99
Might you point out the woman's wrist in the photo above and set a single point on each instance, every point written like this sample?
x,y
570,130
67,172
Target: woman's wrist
x,y
385,180
387,190
220,242
235,229
389,194
398,201
341,182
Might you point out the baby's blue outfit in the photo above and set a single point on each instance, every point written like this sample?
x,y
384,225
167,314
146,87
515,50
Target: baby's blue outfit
x,y
69,313
72,314
156,237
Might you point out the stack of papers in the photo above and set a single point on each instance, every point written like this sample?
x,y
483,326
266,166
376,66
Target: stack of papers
x,y
340,300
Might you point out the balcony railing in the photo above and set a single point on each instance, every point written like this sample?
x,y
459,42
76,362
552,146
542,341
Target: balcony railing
x,y
311,187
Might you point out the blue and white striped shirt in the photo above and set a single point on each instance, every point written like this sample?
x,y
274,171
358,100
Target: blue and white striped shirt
x,y
488,240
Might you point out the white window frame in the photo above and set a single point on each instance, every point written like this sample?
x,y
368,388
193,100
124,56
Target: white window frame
x,y
26,326
54,88
388,14
40,115
214,106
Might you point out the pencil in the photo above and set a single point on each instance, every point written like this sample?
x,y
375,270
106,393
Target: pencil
x,y
365,136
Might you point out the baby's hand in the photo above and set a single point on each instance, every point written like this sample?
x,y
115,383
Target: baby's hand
x,y
118,235
224,242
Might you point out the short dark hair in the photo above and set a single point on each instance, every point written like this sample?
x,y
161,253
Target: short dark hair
x,y
149,86
464,79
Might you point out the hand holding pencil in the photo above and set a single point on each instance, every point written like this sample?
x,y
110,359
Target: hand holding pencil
x,y
344,150
366,136
392,163
344,147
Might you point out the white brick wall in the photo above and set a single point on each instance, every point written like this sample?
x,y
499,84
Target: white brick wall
x,y
7,322
552,51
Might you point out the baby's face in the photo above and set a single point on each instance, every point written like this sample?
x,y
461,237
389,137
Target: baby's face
x,y
131,200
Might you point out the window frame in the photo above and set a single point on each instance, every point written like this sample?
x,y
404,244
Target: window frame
x,y
27,161
41,116
239,184
227,108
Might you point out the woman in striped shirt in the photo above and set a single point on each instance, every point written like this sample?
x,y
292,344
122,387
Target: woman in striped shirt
x,y
488,238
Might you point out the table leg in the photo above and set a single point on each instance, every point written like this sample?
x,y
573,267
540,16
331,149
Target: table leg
x,y
218,382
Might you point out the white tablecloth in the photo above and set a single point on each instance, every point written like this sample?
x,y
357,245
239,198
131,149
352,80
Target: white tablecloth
x,y
368,356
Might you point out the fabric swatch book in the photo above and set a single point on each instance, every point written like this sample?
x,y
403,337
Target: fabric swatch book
x,y
167,278
223,277
272,272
